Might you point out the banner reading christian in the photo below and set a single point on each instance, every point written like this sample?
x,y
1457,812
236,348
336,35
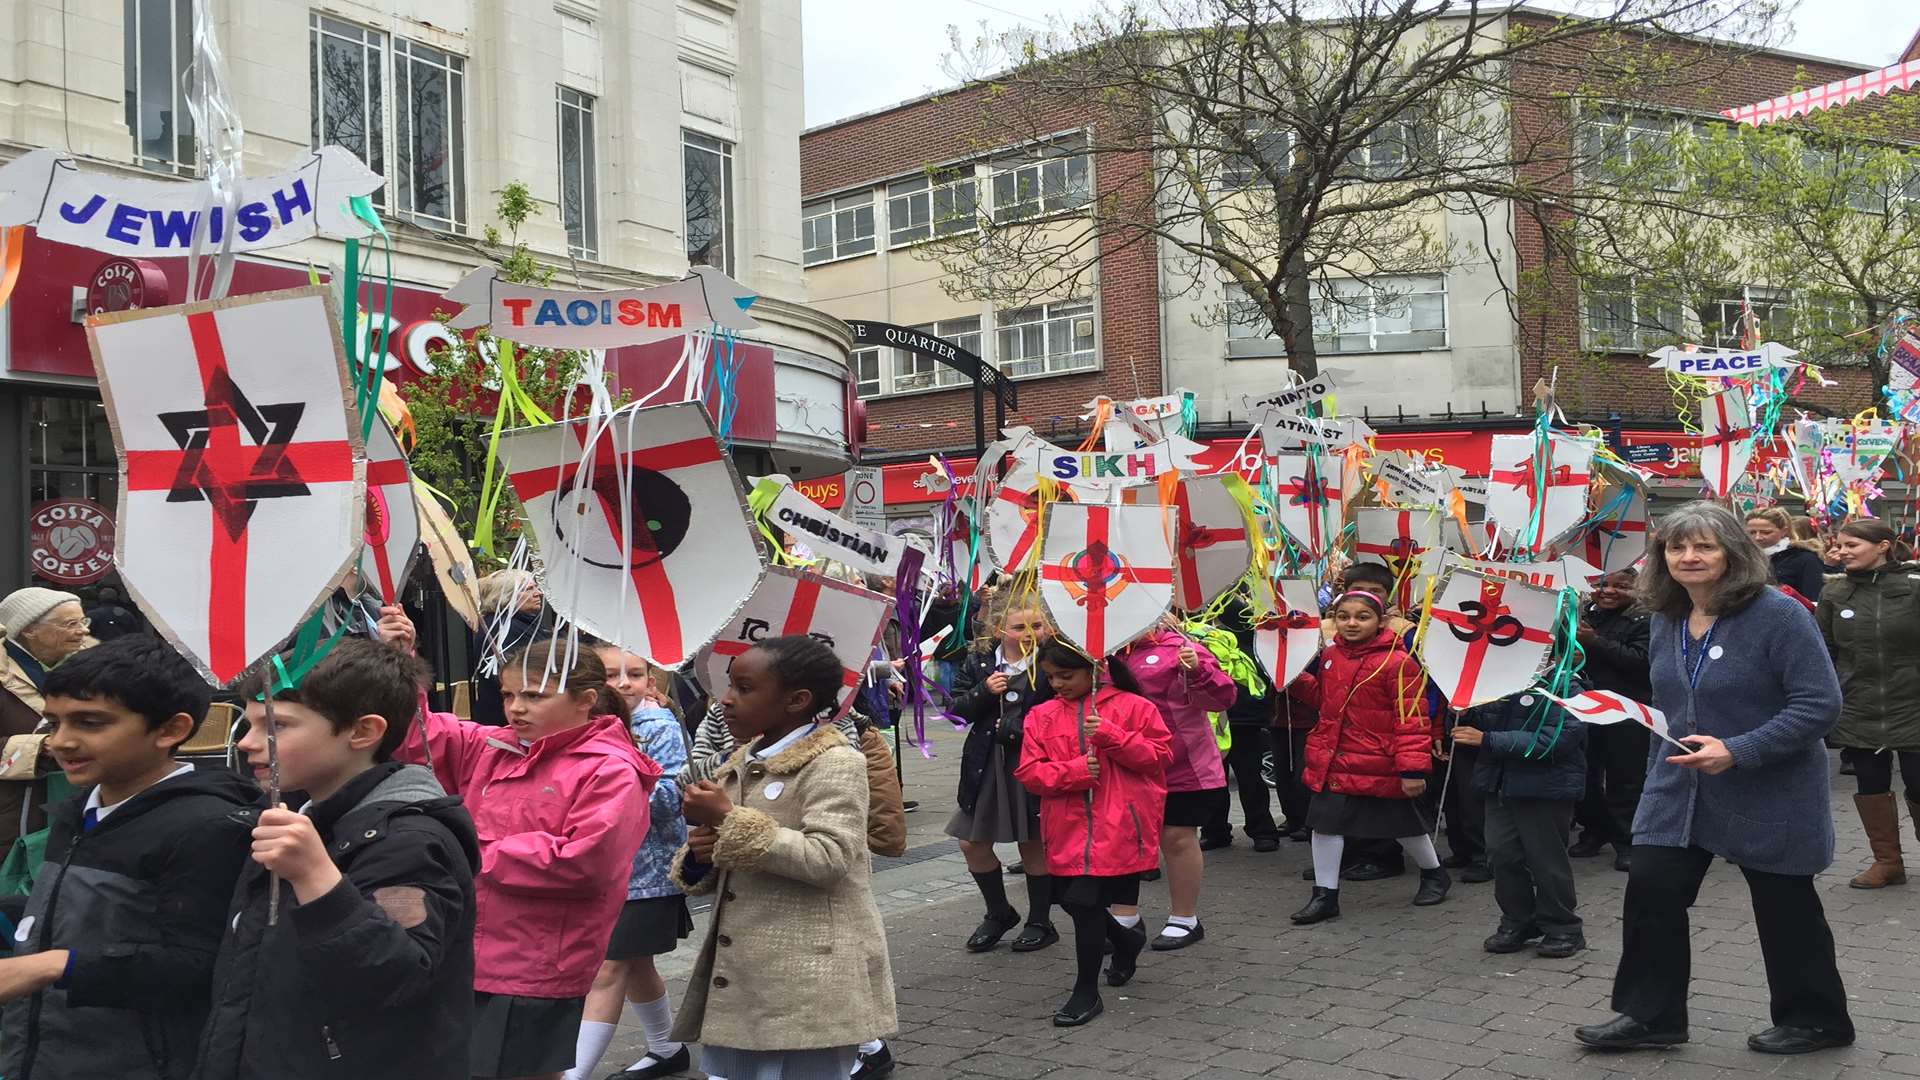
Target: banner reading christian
x,y
131,216
835,537
600,318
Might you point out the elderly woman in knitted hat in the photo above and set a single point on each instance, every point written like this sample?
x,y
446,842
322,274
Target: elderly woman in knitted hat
x,y
42,627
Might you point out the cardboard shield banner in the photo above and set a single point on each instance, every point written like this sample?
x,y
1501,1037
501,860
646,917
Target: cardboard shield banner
x,y
645,538
1618,536
1858,450
1106,573
844,618
1726,439
393,524
1310,495
1538,500
242,472
1291,638
452,565
1488,638
1406,542
1214,545
1013,518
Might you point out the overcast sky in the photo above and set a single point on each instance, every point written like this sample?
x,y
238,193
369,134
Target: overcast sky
x,y
866,54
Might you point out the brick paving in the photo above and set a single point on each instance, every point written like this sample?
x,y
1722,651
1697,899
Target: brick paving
x,y
1387,991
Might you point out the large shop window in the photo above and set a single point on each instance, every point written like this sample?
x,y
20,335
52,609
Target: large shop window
x,y
69,456
349,75
709,193
159,46
429,141
579,186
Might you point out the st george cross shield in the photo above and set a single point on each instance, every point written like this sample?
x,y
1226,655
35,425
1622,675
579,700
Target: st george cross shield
x,y
1106,573
393,525
242,473
1214,545
1618,536
1291,638
1406,542
1726,439
846,619
1013,518
1537,489
645,538
1488,637
1310,496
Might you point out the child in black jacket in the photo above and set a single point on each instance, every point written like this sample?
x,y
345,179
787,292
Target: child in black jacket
x,y
1531,767
370,967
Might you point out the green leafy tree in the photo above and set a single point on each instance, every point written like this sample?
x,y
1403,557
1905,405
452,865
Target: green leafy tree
x,y
454,405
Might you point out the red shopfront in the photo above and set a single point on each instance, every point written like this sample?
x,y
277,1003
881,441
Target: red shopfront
x,y
63,479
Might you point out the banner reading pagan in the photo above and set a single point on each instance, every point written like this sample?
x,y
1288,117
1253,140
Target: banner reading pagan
x,y
131,216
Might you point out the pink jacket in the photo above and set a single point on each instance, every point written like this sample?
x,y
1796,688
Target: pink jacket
x,y
1106,826
559,824
1184,699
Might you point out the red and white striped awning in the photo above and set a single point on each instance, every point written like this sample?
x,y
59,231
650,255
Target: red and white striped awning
x,y
1831,96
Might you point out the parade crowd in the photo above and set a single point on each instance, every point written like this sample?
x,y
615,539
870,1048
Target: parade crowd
x,y
438,897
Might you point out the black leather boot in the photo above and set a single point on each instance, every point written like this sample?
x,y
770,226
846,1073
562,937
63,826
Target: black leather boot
x,y
1324,904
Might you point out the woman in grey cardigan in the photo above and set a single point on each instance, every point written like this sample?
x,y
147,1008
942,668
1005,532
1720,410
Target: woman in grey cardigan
x,y
1742,675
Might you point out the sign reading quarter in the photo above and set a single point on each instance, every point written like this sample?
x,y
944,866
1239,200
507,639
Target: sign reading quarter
x,y
70,541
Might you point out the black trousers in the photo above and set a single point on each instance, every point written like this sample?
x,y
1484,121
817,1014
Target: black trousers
x,y
1532,873
1873,770
1803,980
1243,760
1616,771
1465,809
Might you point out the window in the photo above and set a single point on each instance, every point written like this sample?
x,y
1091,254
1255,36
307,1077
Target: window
x,y
866,372
1772,316
1245,320
1623,316
1274,149
1615,145
1847,171
1833,314
1394,149
1045,339
429,135
1048,180
159,44
579,184
349,65
836,228
924,207
708,170
1389,313
912,371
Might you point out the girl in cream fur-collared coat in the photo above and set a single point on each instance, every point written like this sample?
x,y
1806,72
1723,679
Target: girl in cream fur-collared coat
x,y
793,974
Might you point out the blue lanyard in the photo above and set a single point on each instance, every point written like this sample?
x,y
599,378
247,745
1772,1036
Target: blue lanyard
x,y
1693,671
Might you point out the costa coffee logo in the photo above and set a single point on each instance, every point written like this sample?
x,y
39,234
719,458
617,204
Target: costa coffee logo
x,y
124,285
70,541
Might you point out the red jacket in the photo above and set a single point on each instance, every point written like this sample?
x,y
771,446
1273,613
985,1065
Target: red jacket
x,y
1374,729
1110,825
559,822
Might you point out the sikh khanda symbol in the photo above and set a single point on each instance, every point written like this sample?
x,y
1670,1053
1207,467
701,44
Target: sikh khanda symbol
x,y
1094,572
1494,623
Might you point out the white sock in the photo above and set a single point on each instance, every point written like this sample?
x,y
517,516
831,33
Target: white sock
x,y
1326,859
588,1048
656,1019
1128,922
873,1047
1421,848
1179,926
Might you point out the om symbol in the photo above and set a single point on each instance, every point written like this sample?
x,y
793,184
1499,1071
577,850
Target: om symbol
x,y
1482,621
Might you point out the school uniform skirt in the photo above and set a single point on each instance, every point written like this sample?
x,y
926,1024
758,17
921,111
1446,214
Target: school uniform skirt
x,y
650,926
832,1063
1094,890
524,1036
1365,817
1005,813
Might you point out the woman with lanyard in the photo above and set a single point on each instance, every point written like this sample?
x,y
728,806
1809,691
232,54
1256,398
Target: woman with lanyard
x,y
1730,669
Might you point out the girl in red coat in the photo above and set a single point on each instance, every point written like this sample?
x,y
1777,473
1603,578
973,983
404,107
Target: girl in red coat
x,y
1097,757
1367,758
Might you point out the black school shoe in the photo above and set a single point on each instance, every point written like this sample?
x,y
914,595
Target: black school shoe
x,y
1476,873
1193,936
1371,871
1324,904
1071,1015
1560,946
683,1060
1035,937
1625,1033
1433,888
874,1066
1126,961
991,930
1266,843
1795,1040
1510,939
1215,843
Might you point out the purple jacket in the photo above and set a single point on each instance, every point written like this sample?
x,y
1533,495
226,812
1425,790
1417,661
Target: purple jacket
x,y
1184,699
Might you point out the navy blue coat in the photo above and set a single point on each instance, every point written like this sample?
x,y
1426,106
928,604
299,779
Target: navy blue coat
x,y
1524,760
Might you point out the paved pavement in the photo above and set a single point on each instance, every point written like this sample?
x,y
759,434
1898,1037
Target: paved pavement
x,y
1388,990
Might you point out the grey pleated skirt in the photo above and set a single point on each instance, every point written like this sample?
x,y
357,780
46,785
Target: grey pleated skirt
x,y
1005,812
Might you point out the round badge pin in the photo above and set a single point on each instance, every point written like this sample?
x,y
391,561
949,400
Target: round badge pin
x,y
1716,652
773,789
1846,613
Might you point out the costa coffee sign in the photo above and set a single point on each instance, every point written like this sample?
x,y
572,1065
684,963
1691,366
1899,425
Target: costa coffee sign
x,y
70,541
125,285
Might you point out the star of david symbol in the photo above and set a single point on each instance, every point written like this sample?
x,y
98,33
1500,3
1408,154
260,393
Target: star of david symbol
x,y
219,470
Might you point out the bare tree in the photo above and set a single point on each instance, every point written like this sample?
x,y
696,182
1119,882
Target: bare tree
x,y
1270,144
